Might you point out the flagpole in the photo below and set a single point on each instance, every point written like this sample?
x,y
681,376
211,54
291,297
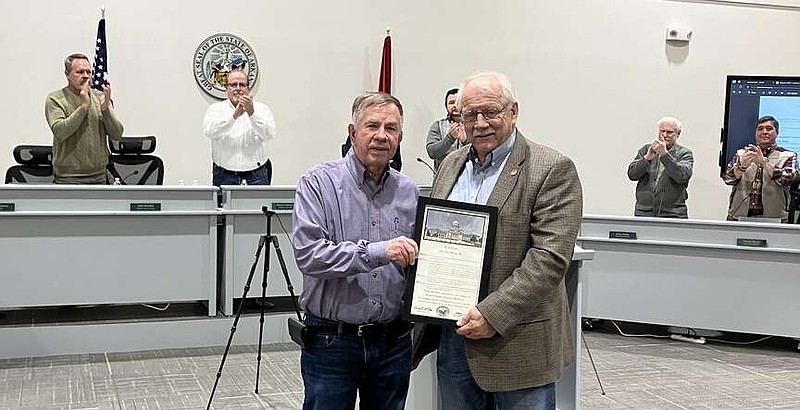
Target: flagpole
x,y
388,30
102,12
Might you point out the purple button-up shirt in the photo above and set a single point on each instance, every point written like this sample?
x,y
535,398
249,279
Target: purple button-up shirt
x,y
342,222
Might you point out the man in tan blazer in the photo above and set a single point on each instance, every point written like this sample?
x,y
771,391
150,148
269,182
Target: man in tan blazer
x,y
508,351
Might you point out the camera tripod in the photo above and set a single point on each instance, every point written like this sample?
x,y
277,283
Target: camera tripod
x,y
265,239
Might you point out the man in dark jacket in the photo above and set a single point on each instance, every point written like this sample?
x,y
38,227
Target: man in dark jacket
x,y
662,170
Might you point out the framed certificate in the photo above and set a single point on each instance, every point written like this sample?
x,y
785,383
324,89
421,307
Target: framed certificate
x,y
451,275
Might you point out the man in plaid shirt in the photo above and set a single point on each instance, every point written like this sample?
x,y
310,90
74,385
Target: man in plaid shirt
x,y
760,176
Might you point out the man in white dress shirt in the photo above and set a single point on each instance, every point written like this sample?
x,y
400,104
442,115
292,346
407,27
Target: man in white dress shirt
x,y
239,129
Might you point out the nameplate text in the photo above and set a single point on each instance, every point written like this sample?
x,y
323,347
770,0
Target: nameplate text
x,y
753,243
146,206
282,206
622,235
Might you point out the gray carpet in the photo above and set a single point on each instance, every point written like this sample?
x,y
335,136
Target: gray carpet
x,y
637,373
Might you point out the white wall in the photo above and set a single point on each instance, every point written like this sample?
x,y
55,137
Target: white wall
x,y
592,76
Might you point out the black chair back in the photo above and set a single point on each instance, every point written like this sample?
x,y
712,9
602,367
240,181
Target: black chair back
x,y
35,165
136,169
129,161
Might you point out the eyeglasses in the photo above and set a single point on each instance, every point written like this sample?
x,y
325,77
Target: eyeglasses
x,y
767,128
488,114
667,132
237,85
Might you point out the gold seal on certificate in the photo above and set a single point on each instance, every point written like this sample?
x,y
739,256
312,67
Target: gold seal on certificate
x,y
451,275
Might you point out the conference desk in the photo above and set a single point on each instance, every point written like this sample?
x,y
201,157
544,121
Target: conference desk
x,y
85,245
692,273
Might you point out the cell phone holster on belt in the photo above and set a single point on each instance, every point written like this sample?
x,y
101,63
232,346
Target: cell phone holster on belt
x,y
297,331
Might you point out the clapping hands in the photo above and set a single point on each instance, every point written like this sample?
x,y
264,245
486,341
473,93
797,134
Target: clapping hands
x,y
457,131
245,105
657,147
752,155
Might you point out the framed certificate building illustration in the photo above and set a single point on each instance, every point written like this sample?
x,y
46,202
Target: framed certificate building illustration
x,y
451,275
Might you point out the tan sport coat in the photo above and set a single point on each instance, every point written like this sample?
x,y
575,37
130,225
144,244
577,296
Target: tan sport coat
x,y
540,203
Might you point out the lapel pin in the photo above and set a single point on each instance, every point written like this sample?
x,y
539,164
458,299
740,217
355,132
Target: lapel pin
x,y
513,172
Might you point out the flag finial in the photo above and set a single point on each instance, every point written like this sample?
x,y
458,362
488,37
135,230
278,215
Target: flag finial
x,y
102,12
388,30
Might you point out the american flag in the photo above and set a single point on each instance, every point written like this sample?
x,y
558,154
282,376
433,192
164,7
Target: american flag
x,y
100,67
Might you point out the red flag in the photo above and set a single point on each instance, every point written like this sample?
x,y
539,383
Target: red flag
x,y
385,81
385,86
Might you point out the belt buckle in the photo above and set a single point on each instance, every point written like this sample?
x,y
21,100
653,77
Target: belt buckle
x,y
361,328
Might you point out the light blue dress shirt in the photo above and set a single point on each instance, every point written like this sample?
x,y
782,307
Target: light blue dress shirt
x,y
476,181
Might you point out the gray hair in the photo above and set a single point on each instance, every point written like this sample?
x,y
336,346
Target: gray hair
x,y
373,98
670,120
507,93
73,56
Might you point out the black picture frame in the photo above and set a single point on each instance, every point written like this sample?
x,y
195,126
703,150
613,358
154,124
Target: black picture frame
x,y
456,247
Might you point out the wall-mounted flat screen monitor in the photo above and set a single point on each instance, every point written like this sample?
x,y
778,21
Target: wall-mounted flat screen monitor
x,y
749,97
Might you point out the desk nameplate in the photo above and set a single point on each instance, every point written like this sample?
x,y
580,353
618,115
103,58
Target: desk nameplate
x,y
282,206
753,243
7,207
145,206
622,235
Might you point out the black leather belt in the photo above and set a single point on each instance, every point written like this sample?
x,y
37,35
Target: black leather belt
x,y
241,174
375,330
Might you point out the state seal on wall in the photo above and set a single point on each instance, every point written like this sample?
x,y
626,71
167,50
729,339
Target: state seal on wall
x,y
217,56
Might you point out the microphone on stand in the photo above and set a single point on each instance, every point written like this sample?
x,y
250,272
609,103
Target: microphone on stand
x,y
268,212
125,179
427,165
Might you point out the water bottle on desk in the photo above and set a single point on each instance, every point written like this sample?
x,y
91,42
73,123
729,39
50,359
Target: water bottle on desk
x,y
116,181
244,182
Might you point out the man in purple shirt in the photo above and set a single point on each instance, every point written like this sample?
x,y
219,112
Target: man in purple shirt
x,y
352,222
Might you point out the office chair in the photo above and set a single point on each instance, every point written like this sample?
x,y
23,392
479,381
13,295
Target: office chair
x,y
129,161
35,165
794,203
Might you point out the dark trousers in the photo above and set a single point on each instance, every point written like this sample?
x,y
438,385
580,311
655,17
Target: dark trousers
x,y
335,365
222,176
459,391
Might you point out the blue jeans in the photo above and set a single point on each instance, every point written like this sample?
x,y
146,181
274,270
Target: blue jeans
x,y
459,391
221,176
334,367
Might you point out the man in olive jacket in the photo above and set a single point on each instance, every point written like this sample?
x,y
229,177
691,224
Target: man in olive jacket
x,y
81,120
